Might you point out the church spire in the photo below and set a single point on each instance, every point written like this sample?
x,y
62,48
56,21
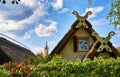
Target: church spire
x,y
46,49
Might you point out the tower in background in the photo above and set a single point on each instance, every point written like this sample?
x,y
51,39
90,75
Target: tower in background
x,y
46,49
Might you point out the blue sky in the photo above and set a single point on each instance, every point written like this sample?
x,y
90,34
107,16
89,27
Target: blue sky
x,y
33,22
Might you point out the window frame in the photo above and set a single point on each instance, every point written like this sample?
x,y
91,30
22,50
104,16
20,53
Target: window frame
x,y
83,38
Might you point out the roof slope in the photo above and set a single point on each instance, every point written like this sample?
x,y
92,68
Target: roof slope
x,y
14,51
93,51
118,48
68,35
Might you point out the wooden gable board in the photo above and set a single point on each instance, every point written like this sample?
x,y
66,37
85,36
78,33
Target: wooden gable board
x,y
60,46
90,54
93,51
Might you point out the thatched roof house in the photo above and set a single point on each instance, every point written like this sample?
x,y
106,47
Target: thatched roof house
x,y
12,52
82,42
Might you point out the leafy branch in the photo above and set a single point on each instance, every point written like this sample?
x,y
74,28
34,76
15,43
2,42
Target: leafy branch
x,y
114,13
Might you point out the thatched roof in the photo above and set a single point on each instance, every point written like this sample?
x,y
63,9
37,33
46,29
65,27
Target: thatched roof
x,y
68,35
118,48
93,50
12,51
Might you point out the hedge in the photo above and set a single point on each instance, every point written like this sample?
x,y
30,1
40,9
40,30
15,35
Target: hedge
x,y
58,67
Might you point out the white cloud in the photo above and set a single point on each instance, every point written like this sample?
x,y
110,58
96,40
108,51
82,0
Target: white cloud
x,y
29,3
8,34
64,10
28,12
37,13
3,14
51,43
9,25
95,10
99,22
28,34
58,4
46,31
37,50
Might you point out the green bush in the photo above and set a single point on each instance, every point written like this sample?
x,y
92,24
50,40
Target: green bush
x,y
37,60
4,73
58,67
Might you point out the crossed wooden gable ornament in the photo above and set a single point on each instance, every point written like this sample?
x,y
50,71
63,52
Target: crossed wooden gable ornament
x,y
102,40
82,19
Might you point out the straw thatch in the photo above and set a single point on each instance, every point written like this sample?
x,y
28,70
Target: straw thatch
x,y
12,52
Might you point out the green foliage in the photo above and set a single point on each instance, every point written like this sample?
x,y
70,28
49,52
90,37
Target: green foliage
x,y
59,67
4,73
37,60
114,13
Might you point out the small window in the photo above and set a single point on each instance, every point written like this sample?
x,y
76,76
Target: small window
x,y
81,44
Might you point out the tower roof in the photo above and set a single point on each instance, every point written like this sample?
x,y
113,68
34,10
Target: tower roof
x,y
46,47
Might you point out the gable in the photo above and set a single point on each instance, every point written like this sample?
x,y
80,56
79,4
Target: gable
x,y
93,52
68,38
66,46
80,41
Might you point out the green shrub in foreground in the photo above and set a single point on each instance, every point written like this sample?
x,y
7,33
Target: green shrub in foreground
x,y
4,73
58,67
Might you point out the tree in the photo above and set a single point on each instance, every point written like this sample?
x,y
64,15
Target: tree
x,y
114,13
12,1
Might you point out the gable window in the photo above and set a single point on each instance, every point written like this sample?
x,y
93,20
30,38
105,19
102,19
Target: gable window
x,y
81,43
